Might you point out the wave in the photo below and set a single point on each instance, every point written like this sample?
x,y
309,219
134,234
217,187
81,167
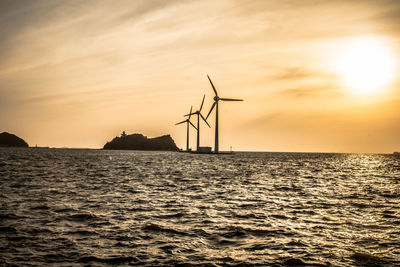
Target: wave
x,y
8,229
77,207
152,227
81,217
367,259
110,260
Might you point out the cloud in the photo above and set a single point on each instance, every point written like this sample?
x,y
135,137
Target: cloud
x,y
312,91
105,58
301,82
144,8
294,73
24,20
318,19
18,15
387,15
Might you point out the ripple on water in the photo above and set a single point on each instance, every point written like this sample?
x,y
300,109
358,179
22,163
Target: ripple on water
x,y
152,227
103,208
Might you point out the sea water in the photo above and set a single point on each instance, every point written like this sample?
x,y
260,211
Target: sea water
x,y
67,207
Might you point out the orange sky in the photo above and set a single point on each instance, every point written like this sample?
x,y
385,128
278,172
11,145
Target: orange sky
x,y
78,73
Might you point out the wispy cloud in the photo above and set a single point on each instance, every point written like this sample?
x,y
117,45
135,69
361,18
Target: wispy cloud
x,y
324,90
120,58
387,15
294,73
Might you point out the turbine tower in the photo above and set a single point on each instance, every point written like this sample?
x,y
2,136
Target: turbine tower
x,y
188,122
215,104
198,113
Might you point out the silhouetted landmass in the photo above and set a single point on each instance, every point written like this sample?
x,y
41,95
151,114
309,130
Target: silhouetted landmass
x,y
11,140
141,142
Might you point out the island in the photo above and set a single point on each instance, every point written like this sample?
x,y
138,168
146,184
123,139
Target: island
x,y
11,140
140,142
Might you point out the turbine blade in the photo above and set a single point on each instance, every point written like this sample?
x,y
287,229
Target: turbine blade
x,y
192,125
190,113
180,122
205,120
202,102
211,109
230,99
215,91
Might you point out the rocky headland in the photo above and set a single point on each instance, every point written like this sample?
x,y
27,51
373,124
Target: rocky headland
x,y
141,142
11,140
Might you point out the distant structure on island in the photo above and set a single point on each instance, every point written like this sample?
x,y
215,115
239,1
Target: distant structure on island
x,y
11,140
204,149
141,142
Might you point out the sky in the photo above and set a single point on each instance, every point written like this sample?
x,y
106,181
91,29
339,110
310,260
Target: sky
x,y
315,76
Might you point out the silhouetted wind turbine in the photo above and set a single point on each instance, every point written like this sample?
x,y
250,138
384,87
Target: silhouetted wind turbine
x,y
187,128
215,104
198,113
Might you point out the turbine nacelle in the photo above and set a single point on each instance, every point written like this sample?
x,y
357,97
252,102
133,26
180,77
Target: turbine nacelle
x,y
188,122
188,119
215,104
198,113
193,113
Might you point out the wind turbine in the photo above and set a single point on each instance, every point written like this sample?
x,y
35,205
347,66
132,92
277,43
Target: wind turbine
x,y
198,113
187,128
215,104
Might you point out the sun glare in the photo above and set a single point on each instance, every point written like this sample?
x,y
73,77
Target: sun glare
x,y
366,65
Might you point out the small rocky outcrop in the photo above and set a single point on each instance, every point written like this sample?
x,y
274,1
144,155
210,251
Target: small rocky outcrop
x,y
11,140
141,142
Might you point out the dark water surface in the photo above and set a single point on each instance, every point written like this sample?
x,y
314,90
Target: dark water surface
x,y
65,207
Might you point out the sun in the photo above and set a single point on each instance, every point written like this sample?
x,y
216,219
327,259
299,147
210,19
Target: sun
x,y
366,65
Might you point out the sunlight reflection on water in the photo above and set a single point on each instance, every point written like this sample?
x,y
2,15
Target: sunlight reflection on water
x,y
164,208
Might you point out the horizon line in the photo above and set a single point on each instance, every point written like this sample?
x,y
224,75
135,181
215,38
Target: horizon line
x,y
235,151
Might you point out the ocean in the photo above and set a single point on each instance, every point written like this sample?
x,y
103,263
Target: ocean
x,y
77,207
